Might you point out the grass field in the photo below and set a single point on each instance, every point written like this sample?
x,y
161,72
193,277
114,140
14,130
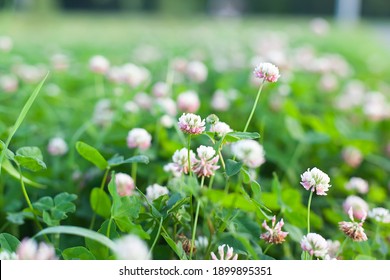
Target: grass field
x,y
329,109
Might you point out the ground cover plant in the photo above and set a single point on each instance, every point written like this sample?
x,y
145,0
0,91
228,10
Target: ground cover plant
x,y
193,139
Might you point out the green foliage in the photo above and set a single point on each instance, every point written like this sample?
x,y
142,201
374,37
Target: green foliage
x,y
77,253
57,209
8,242
91,154
30,158
100,202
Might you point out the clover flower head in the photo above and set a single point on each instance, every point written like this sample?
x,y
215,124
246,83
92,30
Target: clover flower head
x,y
250,152
99,64
139,138
180,160
207,162
29,249
358,205
57,146
380,214
188,101
197,71
221,252
124,184
220,128
352,156
315,245
131,247
5,255
353,229
274,234
267,71
155,191
316,180
191,124
358,184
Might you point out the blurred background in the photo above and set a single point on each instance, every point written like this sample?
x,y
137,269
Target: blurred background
x,y
363,8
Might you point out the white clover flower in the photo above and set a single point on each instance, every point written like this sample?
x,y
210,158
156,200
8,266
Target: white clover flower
x,y
352,156
143,100
167,121
219,101
160,89
376,107
188,101
358,205
201,243
155,191
103,113
250,152
99,64
380,214
29,249
139,138
221,129
191,124
358,184
124,184
9,83
134,75
6,43
207,162
180,160
333,248
5,255
167,105
60,62
197,71
315,245
57,146
267,71
221,251
131,247
316,180
173,169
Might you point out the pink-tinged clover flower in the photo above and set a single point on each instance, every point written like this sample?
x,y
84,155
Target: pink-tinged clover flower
x,y
57,146
197,71
139,138
191,124
267,71
221,252
358,184
358,205
353,229
124,184
352,156
180,160
274,234
207,162
315,245
29,249
188,101
316,180
99,64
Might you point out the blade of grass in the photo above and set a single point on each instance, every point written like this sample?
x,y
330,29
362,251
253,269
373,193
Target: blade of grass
x,y
21,117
